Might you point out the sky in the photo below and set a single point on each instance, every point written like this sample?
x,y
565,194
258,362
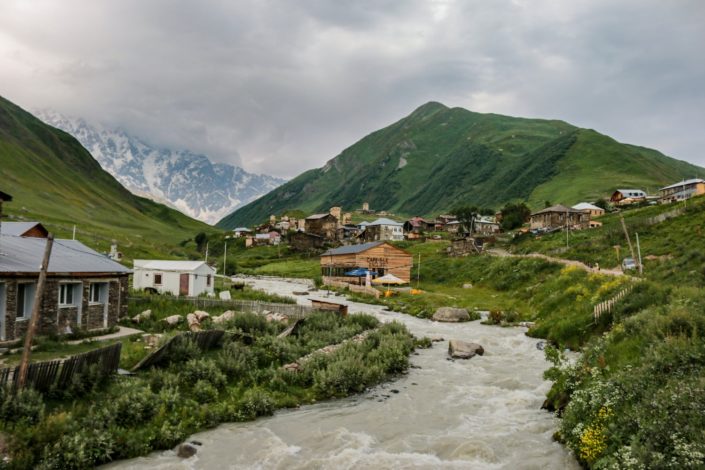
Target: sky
x,y
279,87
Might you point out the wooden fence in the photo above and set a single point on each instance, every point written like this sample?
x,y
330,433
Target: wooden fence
x,y
59,373
293,311
203,339
608,305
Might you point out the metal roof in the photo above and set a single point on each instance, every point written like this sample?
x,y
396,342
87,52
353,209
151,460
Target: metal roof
x,y
17,229
385,221
586,205
632,192
352,249
684,183
557,208
168,265
5,197
242,229
24,255
319,216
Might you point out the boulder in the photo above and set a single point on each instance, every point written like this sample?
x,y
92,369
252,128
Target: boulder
x,y
142,316
186,450
225,295
193,323
467,285
278,317
201,315
451,314
464,350
437,339
174,319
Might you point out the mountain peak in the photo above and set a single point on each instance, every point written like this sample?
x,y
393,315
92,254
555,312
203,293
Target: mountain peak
x,y
430,107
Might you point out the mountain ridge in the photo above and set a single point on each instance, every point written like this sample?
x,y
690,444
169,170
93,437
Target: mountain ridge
x,y
183,180
438,156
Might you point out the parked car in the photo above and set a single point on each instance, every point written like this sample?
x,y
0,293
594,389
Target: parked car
x,y
628,263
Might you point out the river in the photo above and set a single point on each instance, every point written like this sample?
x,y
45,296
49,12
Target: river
x,y
482,413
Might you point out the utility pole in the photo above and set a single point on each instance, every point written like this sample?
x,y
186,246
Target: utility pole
x,y
638,250
567,241
418,273
626,234
225,257
36,309
206,252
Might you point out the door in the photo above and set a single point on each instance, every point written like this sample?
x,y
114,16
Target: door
x,y
183,284
2,312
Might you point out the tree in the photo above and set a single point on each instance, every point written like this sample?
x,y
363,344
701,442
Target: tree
x,y
546,204
201,239
602,203
514,215
466,215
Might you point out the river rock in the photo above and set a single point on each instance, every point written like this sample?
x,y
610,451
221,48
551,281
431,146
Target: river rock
x,y
226,316
142,316
437,339
174,319
201,315
451,314
464,350
193,323
186,450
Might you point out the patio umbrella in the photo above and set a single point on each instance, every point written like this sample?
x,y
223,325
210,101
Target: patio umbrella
x,y
388,279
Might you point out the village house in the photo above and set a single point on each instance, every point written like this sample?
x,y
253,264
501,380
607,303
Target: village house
x,y
384,229
24,229
559,216
303,241
418,225
622,197
323,225
84,289
262,239
188,278
682,191
486,225
591,209
378,257
241,232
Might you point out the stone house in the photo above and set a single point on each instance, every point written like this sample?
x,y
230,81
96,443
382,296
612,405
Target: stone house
x,y
302,241
384,229
323,225
84,289
593,210
560,216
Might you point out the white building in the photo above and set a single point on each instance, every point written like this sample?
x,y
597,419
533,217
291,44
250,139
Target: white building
x,y
384,229
189,278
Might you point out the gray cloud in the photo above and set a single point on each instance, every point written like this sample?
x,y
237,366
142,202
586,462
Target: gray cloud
x,y
280,87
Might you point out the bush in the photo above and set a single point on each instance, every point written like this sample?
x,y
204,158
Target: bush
x,y
204,392
236,361
256,402
26,406
201,369
135,405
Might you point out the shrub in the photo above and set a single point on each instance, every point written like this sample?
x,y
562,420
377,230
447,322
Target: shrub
x,y
256,402
204,392
135,405
201,369
84,449
25,406
182,349
236,361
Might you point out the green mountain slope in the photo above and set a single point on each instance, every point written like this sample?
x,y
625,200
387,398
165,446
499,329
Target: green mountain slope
x,y
438,156
54,180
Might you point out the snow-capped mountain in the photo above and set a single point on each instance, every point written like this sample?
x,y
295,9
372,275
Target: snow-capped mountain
x,y
181,179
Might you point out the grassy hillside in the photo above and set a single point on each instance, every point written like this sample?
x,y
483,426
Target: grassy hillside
x,y
437,157
54,180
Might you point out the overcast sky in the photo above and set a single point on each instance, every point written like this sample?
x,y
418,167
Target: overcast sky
x,y
282,86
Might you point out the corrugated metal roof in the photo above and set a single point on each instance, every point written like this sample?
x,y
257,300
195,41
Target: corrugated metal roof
x,y
24,255
352,249
586,205
17,228
385,221
318,216
557,208
168,265
683,183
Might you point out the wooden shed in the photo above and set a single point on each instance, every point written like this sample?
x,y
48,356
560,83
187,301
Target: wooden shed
x,y
380,257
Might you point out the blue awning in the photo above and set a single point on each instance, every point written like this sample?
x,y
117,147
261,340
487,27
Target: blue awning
x,y
360,272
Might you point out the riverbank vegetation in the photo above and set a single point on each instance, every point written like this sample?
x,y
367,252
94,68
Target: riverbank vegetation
x,y
241,378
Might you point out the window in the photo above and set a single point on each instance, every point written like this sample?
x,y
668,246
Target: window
x,y
66,294
208,280
98,292
25,299
157,279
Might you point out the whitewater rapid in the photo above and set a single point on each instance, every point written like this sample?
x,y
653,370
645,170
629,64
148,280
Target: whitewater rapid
x,y
482,413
